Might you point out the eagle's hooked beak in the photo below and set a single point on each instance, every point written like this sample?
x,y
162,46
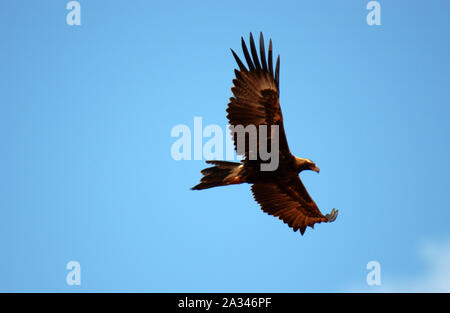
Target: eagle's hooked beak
x,y
316,169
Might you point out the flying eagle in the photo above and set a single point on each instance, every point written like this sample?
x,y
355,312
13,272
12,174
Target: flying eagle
x,y
280,192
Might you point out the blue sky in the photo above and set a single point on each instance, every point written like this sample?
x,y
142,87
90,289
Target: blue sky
x,y
86,114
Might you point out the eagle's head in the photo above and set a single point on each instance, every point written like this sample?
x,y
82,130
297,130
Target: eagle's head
x,y
306,164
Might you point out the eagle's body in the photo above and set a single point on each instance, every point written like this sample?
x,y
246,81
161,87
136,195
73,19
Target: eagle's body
x,y
280,192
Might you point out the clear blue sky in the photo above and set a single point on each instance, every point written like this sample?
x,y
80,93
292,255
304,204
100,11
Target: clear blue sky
x,y
86,171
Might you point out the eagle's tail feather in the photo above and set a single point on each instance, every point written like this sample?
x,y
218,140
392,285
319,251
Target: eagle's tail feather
x,y
222,174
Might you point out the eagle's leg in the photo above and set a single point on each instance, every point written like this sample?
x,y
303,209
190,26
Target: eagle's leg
x,y
331,217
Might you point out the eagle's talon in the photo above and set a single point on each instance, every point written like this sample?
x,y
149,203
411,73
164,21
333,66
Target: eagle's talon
x,y
331,217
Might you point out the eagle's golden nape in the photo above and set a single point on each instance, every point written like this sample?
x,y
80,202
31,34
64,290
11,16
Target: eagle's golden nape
x,y
255,101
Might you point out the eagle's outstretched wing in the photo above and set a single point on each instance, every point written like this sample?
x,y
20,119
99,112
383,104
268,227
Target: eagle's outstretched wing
x,y
256,95
291,203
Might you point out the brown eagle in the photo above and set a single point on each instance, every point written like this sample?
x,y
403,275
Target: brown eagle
x,y
280,192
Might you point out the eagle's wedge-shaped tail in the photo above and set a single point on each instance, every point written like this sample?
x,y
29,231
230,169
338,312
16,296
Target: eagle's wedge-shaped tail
x,y
222,174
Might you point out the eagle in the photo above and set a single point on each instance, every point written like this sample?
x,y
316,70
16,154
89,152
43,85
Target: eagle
x,y
255,101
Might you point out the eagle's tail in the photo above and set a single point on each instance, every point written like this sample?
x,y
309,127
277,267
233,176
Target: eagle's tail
x,y
222,174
